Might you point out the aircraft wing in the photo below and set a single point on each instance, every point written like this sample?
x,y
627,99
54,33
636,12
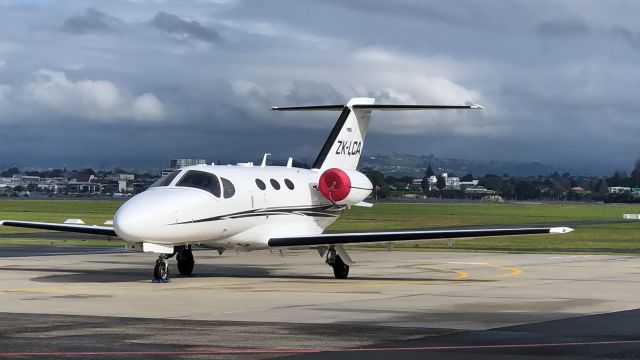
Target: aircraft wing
x,y
85,229
372,237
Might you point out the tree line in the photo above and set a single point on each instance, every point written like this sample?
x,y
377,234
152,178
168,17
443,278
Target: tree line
x,y
552,187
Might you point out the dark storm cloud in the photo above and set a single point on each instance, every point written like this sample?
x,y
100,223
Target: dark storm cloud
x,y
313,92
563,27
175,25
558,79
626,35
92,20
461,13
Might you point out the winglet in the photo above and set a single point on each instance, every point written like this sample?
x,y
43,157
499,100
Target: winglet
x,y
477,106
560,230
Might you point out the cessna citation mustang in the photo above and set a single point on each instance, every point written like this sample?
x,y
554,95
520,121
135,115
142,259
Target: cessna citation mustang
x,y
247,207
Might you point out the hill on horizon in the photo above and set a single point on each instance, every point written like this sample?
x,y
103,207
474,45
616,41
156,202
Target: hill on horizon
x,y
399,165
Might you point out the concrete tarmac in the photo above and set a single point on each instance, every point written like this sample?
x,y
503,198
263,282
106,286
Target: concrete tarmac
x,y
261,305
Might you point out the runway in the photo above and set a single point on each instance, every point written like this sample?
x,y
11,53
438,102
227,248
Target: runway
x,y
263,305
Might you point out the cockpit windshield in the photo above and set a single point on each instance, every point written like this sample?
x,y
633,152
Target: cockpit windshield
x,y
165,181
201,180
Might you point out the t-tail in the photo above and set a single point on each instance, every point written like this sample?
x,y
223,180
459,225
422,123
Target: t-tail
x,y
343,147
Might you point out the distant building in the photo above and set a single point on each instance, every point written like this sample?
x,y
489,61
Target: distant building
x,y
82,177
431,182
166,172
478,190
411,196
83,187
468,184
178,163
619,189
416,184
28,180
112,177
451,182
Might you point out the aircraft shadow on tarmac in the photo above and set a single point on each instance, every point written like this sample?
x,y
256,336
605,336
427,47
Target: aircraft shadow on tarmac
x,y
139,272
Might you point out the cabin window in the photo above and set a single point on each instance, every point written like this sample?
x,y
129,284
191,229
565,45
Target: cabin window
x,y
261,184
227,188
165,181
275,184
201,180
289,184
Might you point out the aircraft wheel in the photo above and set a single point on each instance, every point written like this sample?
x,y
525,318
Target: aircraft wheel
x,y
161,270
340,269
185,261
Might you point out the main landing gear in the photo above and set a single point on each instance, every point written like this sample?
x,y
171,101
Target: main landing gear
x,y
184,257
185,260
340,269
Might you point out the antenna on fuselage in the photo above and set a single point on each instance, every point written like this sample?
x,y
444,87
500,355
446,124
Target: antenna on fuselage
x,y
264,159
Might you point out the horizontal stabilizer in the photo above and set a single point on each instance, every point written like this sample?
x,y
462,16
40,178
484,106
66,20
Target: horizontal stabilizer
x,y
382,107
371,237
344,145
414,107
310,108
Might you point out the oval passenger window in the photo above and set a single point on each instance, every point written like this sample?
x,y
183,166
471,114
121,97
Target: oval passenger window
x,y
289,184
227,188
261,184
275,184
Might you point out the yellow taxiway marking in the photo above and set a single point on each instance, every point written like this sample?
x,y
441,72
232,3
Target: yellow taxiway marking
x,y
512,271
24,290
460,275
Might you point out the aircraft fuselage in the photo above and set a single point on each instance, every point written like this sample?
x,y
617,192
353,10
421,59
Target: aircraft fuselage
x,y
249,205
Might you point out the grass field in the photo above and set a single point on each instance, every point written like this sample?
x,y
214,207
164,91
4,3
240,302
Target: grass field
x,y
90,211
606,237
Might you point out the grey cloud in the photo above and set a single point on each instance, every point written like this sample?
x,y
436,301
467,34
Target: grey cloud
x,y
461,13
577,27
563,27
313,93
626,35
176,26
91,99
92,20
567,100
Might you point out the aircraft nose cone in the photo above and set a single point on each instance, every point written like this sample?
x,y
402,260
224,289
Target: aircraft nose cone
x,y
150,216
133,217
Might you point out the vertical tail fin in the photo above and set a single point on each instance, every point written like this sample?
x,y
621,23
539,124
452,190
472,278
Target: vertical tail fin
x,y
343,147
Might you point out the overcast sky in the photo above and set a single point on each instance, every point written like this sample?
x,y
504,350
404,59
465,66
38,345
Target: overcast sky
x,y
136,83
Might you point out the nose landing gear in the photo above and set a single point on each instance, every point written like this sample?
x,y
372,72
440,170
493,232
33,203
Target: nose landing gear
x,y
184,257
161,270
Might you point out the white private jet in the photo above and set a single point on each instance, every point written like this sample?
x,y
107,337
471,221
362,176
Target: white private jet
x,y
249,207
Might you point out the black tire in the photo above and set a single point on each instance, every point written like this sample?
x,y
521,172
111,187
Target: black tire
x,y
185,262
161,271
340,269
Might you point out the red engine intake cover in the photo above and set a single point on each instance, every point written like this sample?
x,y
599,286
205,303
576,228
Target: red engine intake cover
x,y
334,184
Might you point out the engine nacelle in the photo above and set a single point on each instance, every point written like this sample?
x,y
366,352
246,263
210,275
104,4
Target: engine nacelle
x,y
344,187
